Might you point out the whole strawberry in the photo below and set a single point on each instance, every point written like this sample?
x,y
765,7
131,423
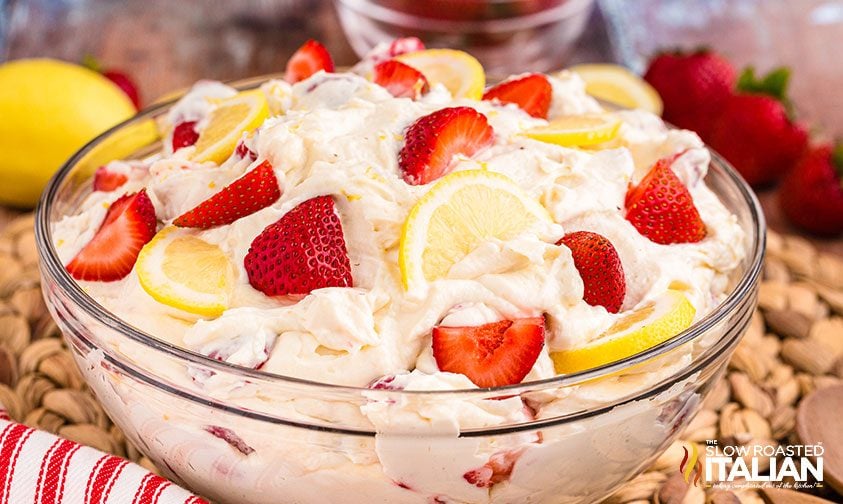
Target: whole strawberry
x,y
693,86
126,83
811,195
121,79
754,130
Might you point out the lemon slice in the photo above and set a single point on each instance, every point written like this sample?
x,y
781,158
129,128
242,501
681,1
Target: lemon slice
x,y
577,130
460,211
458,71
615,84
185,272
232,116
635,332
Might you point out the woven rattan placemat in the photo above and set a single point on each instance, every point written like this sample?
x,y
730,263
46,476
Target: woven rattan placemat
x,y
793,347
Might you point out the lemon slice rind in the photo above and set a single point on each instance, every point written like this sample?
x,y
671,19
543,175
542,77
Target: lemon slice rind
x,y
633,333
577,130
185,272
456,215
616,84
226,124
458,71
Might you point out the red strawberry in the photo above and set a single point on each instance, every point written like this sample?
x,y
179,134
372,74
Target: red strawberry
x,y
753,130
693,87
497,469
243,151
125,83
600,267
433,140
253,191
184,135
405,45
307,60
111,254
532,93
122,80
661,208
811,195
402,81
303,251
107,180
490,355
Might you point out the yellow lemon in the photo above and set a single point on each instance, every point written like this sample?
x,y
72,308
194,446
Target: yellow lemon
x,y
181,270
49,110
615,84
233,116
633,333
461,211
458,71
577,130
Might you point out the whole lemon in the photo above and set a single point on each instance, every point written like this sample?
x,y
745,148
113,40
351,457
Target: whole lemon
x,y
48,110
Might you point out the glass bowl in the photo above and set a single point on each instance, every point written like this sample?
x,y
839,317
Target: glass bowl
x,y
507,36
238,435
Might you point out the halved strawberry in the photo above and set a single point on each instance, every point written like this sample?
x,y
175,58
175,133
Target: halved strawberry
x,y
661,208
184,135
402,81
253,191
490,355
600,268
307,60
111,254
431,142
303,251
532,93
108,180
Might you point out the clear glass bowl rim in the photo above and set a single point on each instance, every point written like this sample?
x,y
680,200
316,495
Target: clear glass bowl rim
x,y
51,264
384,14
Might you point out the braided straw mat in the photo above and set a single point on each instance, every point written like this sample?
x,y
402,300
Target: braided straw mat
x,y
793,348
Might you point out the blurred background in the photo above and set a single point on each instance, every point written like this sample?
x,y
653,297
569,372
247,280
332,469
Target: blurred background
x,y
167,45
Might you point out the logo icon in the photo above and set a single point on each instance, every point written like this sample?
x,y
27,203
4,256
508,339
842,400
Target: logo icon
x,y
691,462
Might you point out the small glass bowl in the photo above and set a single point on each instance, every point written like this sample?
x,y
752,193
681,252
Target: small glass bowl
x,y
507,36
238,435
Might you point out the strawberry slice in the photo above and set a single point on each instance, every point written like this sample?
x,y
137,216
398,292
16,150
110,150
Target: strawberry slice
x,y
490,355
253,191
661,208
532,93
303,251
307,60
433,140
107,180
496,470
111,254
401,80
405,45
184,135
600,268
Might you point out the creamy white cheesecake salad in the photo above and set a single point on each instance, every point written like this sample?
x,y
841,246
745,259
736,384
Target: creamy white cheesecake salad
x,y
395,228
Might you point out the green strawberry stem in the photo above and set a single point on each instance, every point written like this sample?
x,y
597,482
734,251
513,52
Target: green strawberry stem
x,y
773,84
90,62
837,160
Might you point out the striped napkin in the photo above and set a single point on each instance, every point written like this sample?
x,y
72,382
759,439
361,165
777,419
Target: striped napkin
x,y
38,467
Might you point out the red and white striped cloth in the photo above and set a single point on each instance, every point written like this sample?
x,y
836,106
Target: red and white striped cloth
x,y
37,467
